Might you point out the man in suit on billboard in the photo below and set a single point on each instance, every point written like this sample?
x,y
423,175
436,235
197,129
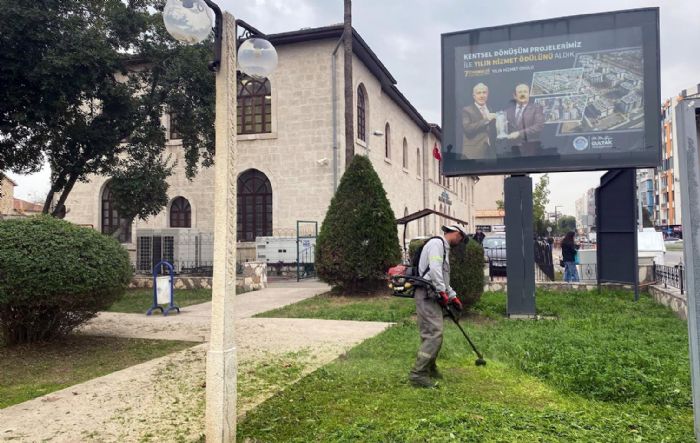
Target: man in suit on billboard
x,y
479,126
525,122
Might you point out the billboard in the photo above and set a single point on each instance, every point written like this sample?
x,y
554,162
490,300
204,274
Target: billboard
x,y
566,94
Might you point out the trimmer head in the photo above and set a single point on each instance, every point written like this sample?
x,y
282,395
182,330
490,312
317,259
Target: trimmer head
x,y
480,362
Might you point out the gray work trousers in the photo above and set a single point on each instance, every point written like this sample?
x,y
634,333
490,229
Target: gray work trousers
x,y
430,325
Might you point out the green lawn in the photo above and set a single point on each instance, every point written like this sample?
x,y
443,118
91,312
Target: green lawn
x,y
30,371
336,307
139,300
607,369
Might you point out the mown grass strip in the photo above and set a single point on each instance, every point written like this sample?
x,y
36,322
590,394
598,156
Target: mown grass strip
x,y
606,369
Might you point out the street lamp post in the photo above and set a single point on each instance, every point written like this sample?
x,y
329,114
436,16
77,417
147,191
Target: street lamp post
x,y
189,21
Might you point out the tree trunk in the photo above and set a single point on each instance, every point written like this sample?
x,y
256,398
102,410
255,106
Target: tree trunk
x,y
347,71
59,209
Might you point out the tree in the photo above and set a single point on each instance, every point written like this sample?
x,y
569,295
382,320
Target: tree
x,y
540,199
358,241
565,224
87,87
139,190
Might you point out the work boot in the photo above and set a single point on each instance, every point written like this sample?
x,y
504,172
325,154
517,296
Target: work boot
x,y
434,373
421,381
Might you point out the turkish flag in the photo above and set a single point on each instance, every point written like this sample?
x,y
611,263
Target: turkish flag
x,y
436,152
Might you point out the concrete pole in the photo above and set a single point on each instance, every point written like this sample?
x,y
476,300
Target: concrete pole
x,y
687,138
221,358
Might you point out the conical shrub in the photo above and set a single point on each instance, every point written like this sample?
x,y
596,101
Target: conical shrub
x,y
358,241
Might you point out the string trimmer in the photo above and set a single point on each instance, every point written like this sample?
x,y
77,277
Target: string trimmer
x,y
480,360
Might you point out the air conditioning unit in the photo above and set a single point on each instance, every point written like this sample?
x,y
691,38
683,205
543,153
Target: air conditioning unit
x,y
188,250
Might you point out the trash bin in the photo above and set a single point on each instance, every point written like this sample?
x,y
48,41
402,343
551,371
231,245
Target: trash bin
x,y
163,290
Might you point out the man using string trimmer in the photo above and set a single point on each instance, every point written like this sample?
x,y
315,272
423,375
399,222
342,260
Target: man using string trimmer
x,y
433,265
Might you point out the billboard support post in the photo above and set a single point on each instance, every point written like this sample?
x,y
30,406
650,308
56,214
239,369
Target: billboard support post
x,y
520,254
687,133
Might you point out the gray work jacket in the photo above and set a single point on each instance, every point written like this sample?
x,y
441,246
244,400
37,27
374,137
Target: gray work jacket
x,y
439,274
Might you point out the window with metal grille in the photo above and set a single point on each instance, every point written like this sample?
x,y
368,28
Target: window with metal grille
x,y
144,246
254,206
361,114
254,105
180,213
111,218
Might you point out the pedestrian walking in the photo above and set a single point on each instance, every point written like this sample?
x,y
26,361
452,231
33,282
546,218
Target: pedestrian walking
x,y
569,250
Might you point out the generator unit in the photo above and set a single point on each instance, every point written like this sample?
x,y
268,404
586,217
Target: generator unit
x,y
284,249
188,250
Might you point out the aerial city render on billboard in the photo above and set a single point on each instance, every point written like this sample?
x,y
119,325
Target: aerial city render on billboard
x,y
573,93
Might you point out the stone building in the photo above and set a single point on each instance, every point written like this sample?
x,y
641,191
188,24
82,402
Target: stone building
x,y
291,149
7,192
12,207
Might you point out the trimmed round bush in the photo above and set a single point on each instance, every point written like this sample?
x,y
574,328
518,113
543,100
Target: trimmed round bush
x,y
54,276
358,241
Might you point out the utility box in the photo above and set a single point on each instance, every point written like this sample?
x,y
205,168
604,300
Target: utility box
x,y
284,249
587,265
651,246
276,249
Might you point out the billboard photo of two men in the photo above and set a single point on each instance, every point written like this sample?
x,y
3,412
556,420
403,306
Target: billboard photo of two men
x,y
581,93
513,130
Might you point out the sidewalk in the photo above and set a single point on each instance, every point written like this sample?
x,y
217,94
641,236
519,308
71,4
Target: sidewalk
x,y
192,323
163,399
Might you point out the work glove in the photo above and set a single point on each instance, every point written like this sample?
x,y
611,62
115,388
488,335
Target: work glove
x,y
457,304
443,299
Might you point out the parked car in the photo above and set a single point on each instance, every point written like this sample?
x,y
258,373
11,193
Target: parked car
x,y
495,253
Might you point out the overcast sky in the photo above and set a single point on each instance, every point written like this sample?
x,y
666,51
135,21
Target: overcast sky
x,y
405,35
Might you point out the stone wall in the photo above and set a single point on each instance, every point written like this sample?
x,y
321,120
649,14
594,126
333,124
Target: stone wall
x,y
672,298
557,286
254,277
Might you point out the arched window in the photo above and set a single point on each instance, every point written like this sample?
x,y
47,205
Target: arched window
x,y
418,161
387,141
254,105
362,113
405,153
111,218
254,206
180,213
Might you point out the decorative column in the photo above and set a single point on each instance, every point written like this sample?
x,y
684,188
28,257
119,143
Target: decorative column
x,y
221,357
